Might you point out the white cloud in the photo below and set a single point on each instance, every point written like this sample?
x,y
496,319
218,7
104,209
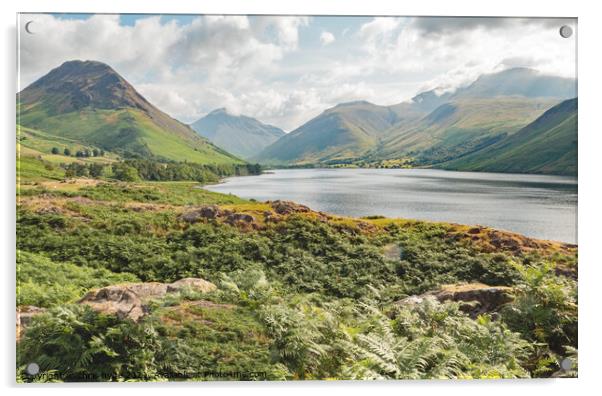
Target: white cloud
x,y
262,67
327,38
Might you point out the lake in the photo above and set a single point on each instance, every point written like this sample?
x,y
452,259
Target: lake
x,y
539,206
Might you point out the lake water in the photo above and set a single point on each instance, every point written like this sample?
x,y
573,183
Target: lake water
x,y
535,205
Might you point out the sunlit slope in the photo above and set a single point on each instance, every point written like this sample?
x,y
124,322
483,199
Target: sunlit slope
x,y
459,127
90,102
547,145
344,131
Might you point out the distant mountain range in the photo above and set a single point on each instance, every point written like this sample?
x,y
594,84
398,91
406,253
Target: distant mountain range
x,y
517,120
432,129
459,127
88,101
240,135
344,131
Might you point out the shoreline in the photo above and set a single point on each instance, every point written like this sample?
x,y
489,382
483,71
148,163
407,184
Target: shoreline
x,y
538,181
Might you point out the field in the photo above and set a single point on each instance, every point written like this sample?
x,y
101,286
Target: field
x,y
294,294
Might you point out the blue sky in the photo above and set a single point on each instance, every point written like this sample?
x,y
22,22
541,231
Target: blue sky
x,y
286,70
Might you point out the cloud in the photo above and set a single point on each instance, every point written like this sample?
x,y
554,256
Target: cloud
x,y
265,67
379,31
438,26
326,38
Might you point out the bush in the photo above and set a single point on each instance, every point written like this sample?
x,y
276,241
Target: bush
x,y
44,283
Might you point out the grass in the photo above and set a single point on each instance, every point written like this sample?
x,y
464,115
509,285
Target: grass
x,y
30,169
44,283
36,142
125,130
547,145
303,297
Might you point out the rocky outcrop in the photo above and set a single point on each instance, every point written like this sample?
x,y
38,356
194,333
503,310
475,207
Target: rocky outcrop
x,y
204,212
214,212
288,207
475,298
131,300
236,218
196,284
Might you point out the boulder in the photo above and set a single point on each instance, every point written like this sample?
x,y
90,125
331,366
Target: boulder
x,y
204,212
475,298
480,298
271,217
122,300
235,218
196,284
288,207
131,300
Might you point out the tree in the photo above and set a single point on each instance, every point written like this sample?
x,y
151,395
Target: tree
x,y
67,152
96,170
95,153
79,154
55,150
102,153
125,172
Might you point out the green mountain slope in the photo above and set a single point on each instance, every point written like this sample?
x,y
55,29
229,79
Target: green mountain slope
x,y
240,135
432,128
89,102
547,145
459,127
344,131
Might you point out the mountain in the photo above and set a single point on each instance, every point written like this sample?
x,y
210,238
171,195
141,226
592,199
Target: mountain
x,y
88,101
547,145
240,135
459,127
519,81
432,128
341,132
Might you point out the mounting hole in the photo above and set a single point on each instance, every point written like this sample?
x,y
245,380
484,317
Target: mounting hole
x,y
566,364
566,31
32,369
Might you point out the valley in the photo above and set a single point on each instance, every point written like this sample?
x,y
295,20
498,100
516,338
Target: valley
x,y
130,268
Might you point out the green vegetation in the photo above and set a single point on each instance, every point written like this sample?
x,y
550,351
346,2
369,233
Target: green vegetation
x,y
345,131
44,283
296,294
503,122
306,297
30,169
89,104
459,127
547,145
127,133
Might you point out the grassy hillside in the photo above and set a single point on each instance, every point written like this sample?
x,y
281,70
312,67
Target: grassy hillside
x,y
547,145
459,127
342,132
433,128
88,102
299,294
240,135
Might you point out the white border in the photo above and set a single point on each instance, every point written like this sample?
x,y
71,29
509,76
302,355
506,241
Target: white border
x,y
590,146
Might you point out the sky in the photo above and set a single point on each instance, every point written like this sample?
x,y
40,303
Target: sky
x,y
285,70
